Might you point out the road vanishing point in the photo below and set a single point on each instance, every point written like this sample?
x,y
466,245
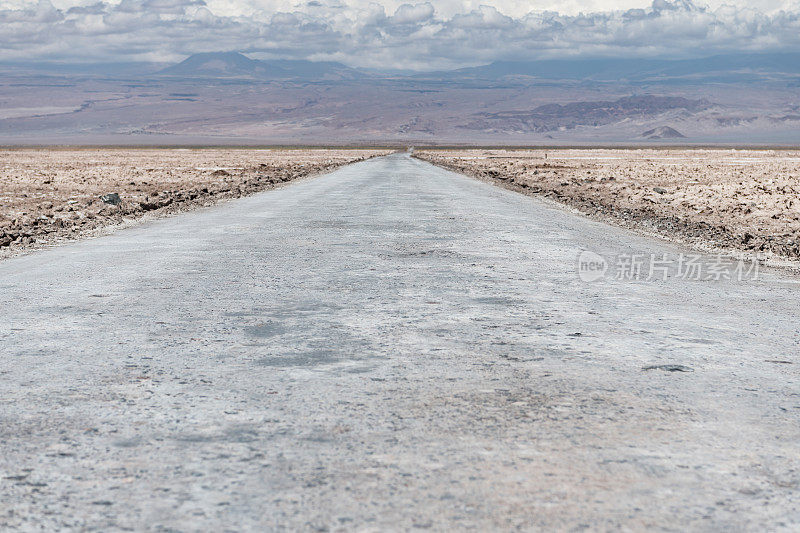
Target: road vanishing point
x,y
391,346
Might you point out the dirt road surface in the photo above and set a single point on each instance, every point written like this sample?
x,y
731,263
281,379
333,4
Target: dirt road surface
x,y
51,195
712,199
393,346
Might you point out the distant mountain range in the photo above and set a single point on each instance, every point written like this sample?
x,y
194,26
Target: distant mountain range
x,y
234,64
723,68
739,68
228,97
780,68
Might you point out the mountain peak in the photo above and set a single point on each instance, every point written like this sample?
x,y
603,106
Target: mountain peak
x,y
217,64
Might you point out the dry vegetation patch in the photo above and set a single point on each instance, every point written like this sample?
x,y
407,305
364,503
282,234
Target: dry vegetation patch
x,y
746,200
47,195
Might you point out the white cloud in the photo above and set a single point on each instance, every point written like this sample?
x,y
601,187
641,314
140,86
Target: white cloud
x,y
413,14
415,35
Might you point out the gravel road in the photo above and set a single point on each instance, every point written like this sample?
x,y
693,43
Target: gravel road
x,y
388,347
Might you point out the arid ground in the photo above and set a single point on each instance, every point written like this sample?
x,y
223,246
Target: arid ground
x,y
49,195
229,99
391,346
732,200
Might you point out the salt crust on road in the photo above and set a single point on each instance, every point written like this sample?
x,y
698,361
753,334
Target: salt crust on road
x,y
51,195
739,200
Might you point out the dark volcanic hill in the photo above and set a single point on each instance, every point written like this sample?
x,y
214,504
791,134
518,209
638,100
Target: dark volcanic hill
x,y
663,132
551,117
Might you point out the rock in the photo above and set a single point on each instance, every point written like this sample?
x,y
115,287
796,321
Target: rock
x,y
111,199
669,368
659,190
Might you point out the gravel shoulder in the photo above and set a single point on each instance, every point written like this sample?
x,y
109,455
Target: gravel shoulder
x,y
745,202
50,196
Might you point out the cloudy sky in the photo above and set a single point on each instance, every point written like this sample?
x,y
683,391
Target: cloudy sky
x,y
427,35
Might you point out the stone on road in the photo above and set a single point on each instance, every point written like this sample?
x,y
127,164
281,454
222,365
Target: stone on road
x,y
390,346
